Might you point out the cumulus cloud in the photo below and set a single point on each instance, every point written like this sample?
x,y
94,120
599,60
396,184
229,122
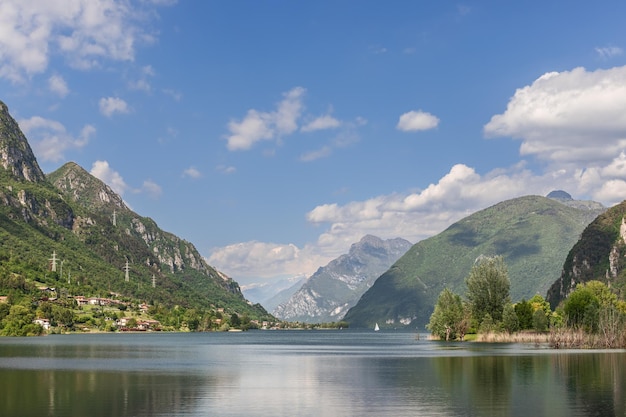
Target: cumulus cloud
x,y
426,212
347,135
111,105
265,260
609,51
323,152
192,172
151,188
257,125
57,85
574,120
321,123
102,171
51,139
226,169
417,120
576,117
85,32
142,82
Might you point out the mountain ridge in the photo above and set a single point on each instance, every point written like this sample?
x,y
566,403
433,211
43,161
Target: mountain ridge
x,y
533,233
328,294
77,218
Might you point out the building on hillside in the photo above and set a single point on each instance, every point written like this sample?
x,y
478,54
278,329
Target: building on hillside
x,y
45,323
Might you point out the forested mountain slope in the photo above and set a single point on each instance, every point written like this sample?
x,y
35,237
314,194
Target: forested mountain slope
x,y
532,233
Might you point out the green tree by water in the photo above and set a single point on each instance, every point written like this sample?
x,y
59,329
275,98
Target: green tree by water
x,y
510,321
488,288
524,311
448,321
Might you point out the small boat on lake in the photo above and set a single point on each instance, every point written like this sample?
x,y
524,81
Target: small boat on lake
x,y
376,328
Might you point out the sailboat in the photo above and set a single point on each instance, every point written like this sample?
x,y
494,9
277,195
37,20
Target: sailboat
x,y
376,328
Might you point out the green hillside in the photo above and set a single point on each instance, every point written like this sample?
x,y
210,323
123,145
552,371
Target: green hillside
x,y
77,219
532,233
599,255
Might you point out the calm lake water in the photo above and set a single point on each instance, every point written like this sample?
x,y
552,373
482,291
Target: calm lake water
x,y
302,373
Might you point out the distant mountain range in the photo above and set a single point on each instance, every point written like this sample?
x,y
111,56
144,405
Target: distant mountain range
x,y
75,218
271,294
532,233
328,294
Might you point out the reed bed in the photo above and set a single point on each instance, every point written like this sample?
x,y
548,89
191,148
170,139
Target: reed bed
x,y
519,337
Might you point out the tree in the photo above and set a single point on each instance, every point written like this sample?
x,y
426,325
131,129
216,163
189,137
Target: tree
x,y
581,307
488,288
540,320
510,322
524,311
235,321
448,320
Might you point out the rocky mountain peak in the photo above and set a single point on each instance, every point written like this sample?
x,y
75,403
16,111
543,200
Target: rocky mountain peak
x,y
16,156
334,288
82,187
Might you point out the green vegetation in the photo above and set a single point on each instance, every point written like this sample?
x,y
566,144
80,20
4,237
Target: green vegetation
x,y
533,234
69,237
488,288
591,317
599,255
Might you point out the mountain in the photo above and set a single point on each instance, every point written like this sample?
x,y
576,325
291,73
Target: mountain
x,y
77,220
263,292
600,254
328,294
532,233
284,295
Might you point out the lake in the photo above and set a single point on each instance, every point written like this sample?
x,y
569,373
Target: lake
x,y
302,373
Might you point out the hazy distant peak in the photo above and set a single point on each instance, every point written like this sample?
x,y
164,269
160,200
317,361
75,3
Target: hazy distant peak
x,y
559,195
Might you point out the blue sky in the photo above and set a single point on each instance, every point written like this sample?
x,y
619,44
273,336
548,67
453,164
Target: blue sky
x,y
273,134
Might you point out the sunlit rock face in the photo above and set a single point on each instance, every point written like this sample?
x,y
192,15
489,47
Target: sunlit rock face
x,y
333,289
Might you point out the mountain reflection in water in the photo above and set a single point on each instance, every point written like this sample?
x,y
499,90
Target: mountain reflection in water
x,y
303,373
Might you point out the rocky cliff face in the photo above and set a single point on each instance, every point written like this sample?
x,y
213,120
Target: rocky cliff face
x,y
600,254
83,221
26,194
165,249
334,288
16,156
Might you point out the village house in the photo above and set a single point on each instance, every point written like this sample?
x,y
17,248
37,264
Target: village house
x,y
45,323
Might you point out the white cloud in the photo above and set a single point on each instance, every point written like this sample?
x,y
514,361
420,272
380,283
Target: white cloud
x,y
85,32
151,188
225,169
57,85
142,83
192,172
102,171
572,117
417,120
265,260
174,94
258,126
346,136
323,152
321,123
110,105
50,138
609,51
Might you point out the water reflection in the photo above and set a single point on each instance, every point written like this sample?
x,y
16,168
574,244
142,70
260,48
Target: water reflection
x,y
77,393
304,374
